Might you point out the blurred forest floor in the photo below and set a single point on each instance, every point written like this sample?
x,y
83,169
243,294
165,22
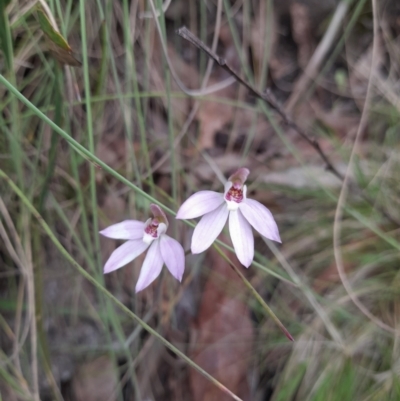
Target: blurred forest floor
x,y
334,67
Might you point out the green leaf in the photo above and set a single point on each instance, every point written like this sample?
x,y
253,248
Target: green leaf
x,y
5,35
51,32
58,45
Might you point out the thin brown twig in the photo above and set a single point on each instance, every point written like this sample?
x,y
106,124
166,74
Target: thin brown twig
x,y
270,99
267,96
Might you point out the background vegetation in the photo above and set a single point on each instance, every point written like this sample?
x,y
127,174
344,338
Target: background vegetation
x,y
94,126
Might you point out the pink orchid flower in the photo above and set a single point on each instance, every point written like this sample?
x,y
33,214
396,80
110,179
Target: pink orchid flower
x,y
140,236
243,214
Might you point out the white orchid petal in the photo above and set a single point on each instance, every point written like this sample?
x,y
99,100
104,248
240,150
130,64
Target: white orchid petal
x,y
208,228
242,238
173,256
128,229
200,203
124,254
151,268
260,218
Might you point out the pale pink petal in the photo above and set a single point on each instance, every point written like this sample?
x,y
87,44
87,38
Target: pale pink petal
x,y
260,218
128,229
242,238
151,268
124,254
200,203
208,228
173,256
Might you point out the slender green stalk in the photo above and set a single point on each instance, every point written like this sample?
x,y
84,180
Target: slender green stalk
x,y
120,96
5,36
236,41
43,347
171,137
89,119
58,101
256,295
131,67
268,28
7,44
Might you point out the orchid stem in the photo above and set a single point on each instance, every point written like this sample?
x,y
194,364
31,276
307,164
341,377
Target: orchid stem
x,y
256,295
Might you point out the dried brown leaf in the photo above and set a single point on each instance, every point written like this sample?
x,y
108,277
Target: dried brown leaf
x,y
213,116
